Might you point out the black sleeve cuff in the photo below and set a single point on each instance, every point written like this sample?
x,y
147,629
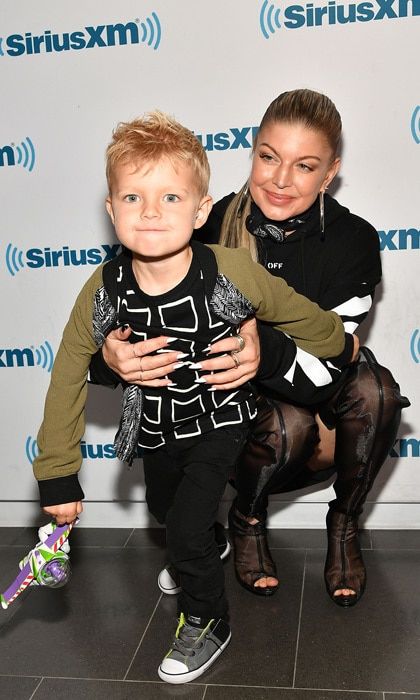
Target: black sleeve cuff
x,y
273,346
345,357
64,489
100,373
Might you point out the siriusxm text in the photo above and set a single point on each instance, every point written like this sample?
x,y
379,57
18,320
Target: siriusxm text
x,y
7,155
101,36
229,140
17,357
65,256
400,239
405,447
297,16
100,451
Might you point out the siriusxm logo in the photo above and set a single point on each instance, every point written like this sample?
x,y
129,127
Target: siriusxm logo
x,y
42,356
148,31
405,447
332,12
399,239
415,124
229,140
36,258
18,154
89,450
415,346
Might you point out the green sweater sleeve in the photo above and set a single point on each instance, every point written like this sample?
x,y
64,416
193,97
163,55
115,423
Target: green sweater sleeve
x,y
64,422
319,332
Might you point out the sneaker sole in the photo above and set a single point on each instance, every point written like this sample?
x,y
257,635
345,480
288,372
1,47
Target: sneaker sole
x,y
169,591
192,675
177,589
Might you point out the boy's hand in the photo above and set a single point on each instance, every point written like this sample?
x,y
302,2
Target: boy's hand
x,y
64,513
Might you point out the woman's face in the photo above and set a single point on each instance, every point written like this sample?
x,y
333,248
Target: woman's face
x,y
291,164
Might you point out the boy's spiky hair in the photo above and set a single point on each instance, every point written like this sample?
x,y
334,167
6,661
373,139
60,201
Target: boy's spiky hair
x,y
154,136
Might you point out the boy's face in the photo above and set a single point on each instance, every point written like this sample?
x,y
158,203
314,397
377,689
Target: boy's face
x,y
155,207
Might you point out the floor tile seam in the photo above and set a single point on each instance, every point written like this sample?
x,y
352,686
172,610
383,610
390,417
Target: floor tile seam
x,y
364,549
36,689
142,637
304,548
299,688
36,677
128,538
90,679
287,687
299,620
89,546
73,546
210,685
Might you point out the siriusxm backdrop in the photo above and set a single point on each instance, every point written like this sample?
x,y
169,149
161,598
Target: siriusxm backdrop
x,y
71,71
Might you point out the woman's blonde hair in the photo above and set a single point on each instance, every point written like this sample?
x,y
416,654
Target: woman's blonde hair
x,y
154,136
307,107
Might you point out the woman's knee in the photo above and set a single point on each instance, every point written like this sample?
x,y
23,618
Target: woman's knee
x,y
374,388
281,442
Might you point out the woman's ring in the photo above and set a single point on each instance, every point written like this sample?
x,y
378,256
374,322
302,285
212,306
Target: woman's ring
x,y
241,342
235,358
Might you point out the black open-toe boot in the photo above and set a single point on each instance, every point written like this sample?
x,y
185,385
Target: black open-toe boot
x,y
253,559
344,567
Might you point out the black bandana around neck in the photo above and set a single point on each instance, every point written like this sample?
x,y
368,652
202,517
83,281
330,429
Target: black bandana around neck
x,y
258,224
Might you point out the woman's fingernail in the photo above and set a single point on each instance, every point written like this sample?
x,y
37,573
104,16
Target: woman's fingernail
x,y
172,384
179,364
170,340
181,355
195,365
201,380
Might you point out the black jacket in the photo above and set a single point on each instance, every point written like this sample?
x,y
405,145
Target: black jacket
x,y
338,270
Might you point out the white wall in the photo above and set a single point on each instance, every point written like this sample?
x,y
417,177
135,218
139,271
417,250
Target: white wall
x,y
215,66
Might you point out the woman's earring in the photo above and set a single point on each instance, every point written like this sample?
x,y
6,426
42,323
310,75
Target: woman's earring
x,y
321,213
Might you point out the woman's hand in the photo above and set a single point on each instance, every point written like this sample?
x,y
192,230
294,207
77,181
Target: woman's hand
x,y
64,513
228,373
133,362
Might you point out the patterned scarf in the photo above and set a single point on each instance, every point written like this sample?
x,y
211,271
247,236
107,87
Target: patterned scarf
x,y
258,225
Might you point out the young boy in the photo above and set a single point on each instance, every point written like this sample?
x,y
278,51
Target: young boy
x,y
163,284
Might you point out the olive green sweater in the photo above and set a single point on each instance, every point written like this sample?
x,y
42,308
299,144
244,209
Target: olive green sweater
x,y
318,332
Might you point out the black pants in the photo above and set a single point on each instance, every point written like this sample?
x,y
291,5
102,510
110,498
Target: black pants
x,y
366,413
185,481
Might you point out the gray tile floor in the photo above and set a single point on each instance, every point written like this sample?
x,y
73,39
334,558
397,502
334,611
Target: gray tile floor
x,y
104,634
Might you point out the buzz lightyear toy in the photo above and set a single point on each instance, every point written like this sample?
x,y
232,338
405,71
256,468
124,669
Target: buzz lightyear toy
x,y
47,564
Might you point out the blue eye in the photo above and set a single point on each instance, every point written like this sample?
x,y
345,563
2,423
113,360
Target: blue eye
x,y
171,198
131,198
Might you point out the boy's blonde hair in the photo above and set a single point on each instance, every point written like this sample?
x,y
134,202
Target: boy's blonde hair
x,y
157,135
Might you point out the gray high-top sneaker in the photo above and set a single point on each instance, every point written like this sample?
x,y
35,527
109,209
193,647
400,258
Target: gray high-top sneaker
x,y
194,649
